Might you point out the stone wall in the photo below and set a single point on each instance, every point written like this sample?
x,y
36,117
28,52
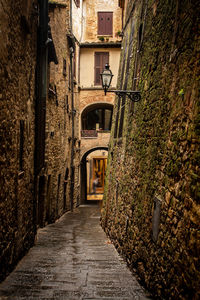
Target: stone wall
x,y
58,127
56,194
151,208
29,201
90,17
18,38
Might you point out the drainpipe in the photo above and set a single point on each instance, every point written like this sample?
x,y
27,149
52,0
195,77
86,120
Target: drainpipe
x,y
72,49
40,98
71,16
41,85
122,16
72,115
79,52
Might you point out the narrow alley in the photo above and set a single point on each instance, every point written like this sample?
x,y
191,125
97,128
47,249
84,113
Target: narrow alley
x,y
99,149
72,259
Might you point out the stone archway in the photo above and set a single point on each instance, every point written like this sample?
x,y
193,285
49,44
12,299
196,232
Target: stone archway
x,y
97,114
83,179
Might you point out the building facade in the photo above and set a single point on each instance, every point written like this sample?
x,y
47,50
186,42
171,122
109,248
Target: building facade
x,y
151,209
39,127
18,51
42,79
97,26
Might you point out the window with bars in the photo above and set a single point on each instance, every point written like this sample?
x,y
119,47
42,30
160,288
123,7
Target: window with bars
x,y
105,23
101,58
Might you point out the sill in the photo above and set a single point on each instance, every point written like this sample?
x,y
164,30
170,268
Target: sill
x,y
89,137
105,35
103,131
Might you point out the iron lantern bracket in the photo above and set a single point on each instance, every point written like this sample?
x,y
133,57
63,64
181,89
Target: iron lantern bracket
x,y
134,96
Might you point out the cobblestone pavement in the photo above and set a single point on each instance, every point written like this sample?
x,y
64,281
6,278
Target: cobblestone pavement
x,y
72,259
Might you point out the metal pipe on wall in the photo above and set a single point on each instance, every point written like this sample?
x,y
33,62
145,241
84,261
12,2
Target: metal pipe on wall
x,y
72,144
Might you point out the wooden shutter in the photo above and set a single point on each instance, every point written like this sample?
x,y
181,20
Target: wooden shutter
x,y
101,58
105,60
109,23
105,23
97,68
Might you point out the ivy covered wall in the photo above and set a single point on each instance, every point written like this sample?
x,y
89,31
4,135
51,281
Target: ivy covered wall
x,y
151,205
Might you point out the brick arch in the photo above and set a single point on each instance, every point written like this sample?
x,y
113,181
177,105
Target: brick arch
x,y
88,151
96,104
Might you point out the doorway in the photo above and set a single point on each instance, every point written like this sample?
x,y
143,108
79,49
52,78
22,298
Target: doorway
x,y
93,166
99,172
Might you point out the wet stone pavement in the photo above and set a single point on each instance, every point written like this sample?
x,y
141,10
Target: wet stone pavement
x,y
72,259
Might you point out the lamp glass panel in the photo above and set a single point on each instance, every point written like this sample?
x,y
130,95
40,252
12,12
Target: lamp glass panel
x,y
106,78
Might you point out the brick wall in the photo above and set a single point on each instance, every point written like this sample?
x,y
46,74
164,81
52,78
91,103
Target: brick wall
x,y
151,207
17,78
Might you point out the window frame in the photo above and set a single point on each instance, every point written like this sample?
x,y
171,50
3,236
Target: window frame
x,y
101,110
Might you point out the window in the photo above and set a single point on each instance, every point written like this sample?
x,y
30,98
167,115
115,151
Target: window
x,y
101,58
69,78
77,2
64,67
105,23
98,118
74,64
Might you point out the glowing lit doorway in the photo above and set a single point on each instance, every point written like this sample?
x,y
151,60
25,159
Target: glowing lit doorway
x,y
96,164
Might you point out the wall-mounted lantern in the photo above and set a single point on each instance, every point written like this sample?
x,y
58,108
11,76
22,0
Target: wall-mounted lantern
x,y
106,78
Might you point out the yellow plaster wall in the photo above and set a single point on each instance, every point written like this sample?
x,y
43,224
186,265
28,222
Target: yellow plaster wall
x,y
87,65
